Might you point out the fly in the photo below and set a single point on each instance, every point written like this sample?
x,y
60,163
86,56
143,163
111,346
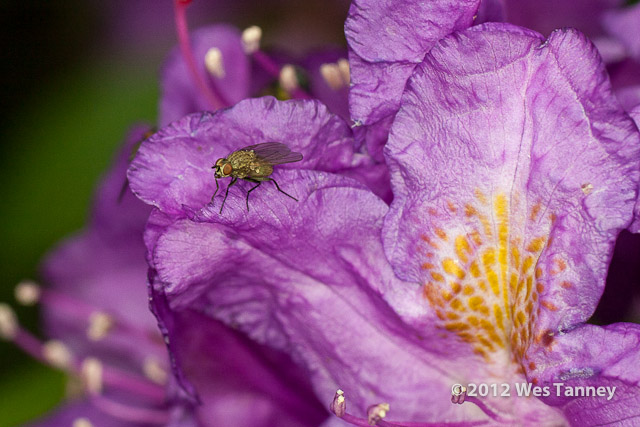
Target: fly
x,y
254,164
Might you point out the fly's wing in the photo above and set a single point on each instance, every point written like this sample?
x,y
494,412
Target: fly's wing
x,y
274,153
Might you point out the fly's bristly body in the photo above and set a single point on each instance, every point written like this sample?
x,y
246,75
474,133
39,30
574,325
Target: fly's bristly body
x,y
254,164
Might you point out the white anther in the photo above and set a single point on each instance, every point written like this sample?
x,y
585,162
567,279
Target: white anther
x,y
251,39
81,422
345,72
339,404
154,371
92,374
100,324
27,292
377,412
57,354
213,62
331,74
8,322
288,78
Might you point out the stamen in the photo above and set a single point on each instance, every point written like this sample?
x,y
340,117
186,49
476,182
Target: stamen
x,y
100,324
152,370
81,422
27,292
57,354
339,404
92,375
8,322
288,78
331,74
345,72
213,63
187,53
251,38
130,413
375,413
458,394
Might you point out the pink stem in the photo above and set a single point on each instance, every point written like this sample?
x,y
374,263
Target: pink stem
x,y
185,47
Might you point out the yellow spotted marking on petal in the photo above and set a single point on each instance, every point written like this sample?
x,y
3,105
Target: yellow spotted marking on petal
x,y
484,281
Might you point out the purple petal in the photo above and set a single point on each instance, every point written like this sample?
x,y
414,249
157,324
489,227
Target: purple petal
x,y
180,95
65,416
306,279
386,40
244,383
173,168
600,357
513,169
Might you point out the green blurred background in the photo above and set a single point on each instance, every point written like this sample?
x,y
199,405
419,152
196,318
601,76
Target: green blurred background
x,y
74,76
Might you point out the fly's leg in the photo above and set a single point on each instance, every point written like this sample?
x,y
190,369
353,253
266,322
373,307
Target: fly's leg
x,y
233,181
250,190
216,192
279,189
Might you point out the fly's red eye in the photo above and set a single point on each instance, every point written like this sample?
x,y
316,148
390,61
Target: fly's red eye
x,y
226,169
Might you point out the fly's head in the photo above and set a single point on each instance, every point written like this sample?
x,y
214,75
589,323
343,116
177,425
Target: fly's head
x,y
223,168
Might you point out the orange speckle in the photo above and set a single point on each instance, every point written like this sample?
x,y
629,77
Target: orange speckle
x,y
534,381
539,287
480,196
566,284
549,306
526,264
456,287
535,211
473,320
468,290
432,212
456,326
475,302
532,366
430,242
441,234
452,207
462,248
521,318
475,236
482,285
427,266
470,210
437,276
562,265
446,295
497,312
536,244
452,316
474,269
538,272
440,315
451,267
456,304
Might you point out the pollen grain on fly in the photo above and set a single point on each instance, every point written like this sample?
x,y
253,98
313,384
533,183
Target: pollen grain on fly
x,y
483,275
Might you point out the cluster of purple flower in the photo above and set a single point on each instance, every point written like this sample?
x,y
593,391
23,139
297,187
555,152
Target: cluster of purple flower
x,y
462,186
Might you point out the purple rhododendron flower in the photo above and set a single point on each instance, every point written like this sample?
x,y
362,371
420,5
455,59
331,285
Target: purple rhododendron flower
x,y
513,170
239,72
96,312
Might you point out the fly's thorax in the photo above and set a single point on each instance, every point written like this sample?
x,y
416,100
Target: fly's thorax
x,y
241,161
